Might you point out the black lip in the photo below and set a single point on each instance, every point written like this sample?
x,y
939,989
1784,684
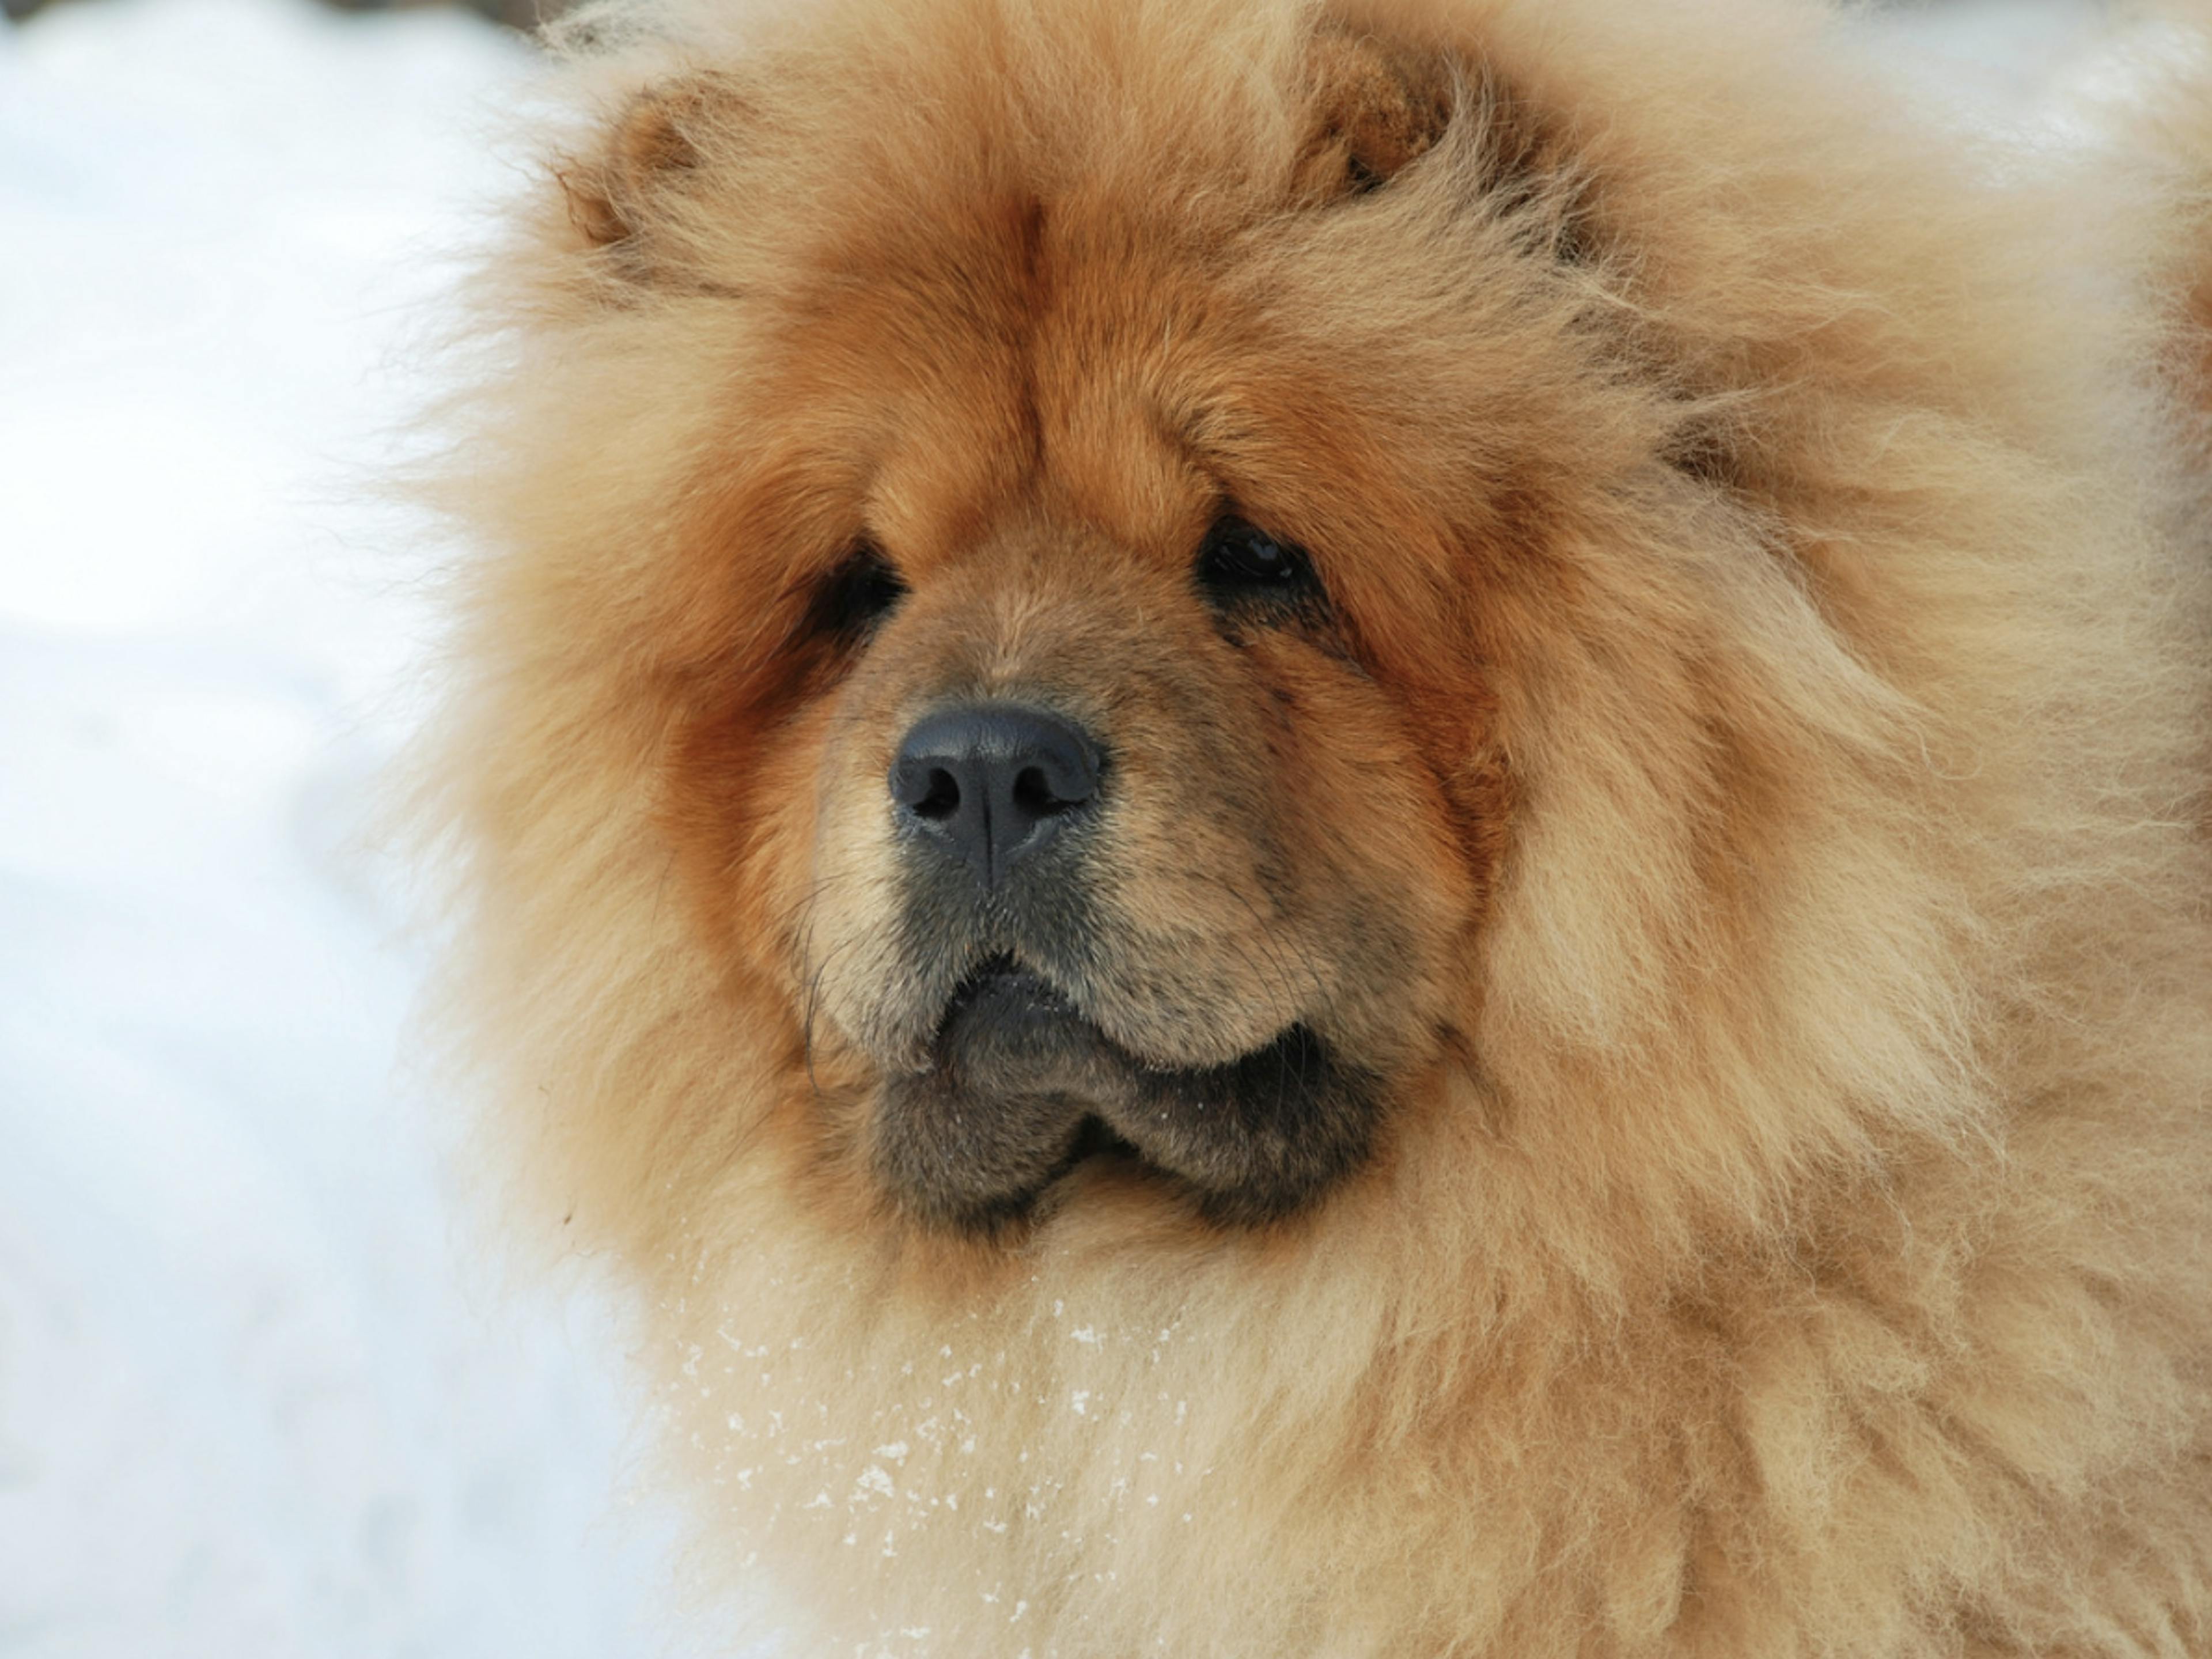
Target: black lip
x,y
1004,986
1010,1025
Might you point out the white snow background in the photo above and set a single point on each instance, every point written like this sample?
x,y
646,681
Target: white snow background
x,y
255,1396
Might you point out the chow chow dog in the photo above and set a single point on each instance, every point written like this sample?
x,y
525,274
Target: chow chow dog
x,y
1368,831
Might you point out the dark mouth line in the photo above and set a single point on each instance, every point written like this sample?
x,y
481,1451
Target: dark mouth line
x,y
1094,1138
1292,1051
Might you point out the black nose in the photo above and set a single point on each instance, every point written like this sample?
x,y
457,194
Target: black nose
x,y
994,782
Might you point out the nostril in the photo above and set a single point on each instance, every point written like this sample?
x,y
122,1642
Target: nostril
x,y
927,790
1034,794
941,800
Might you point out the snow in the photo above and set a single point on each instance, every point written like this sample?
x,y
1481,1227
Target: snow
x,y
256,1397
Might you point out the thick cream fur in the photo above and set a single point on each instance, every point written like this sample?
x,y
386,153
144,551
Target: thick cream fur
x,y
1805,1249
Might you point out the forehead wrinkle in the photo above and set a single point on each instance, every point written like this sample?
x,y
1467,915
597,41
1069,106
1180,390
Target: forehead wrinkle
x,y
949,467
968,436
1046,380
1107,351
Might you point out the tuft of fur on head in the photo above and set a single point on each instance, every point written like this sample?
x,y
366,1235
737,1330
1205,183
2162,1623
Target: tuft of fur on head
x,y
1793,1238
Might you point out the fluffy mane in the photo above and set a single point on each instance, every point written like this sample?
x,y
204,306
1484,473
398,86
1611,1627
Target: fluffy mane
x,y
1803,1245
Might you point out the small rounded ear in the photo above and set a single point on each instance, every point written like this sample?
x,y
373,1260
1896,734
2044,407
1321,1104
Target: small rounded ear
x,y
649,153
1374,107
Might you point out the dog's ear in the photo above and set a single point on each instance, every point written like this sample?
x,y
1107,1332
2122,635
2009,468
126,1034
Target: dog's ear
x,y
1372,108
645,162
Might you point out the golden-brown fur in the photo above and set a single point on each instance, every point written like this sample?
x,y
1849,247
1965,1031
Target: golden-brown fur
x,y
1745,800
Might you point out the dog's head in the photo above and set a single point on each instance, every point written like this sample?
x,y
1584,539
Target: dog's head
x,y
1100,610
1088,733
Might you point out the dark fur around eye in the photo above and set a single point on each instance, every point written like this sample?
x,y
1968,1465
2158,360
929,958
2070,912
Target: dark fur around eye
x,y
1238,561
849,601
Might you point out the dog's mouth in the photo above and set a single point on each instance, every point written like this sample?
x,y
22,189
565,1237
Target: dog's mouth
x,y
1005,1004
1022,1090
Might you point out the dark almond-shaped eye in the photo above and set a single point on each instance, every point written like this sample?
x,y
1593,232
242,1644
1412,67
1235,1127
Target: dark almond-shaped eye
x,y
1239,559
853,598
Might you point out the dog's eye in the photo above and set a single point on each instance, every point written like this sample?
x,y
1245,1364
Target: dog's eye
x,y
857,595
1238,558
